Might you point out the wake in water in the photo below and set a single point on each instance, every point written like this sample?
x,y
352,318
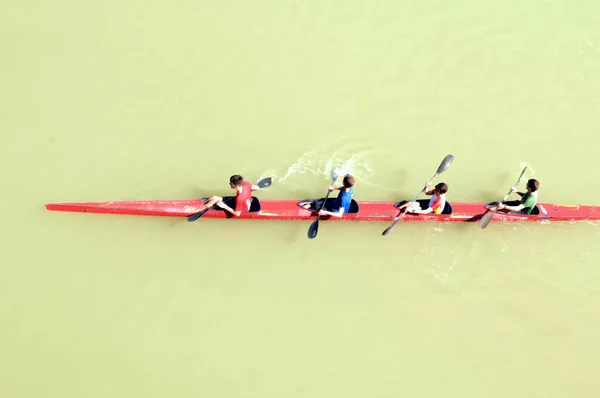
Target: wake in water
x,y
530,171
321,163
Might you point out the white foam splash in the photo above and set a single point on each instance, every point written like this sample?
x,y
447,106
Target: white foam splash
x,y
319,163
530,169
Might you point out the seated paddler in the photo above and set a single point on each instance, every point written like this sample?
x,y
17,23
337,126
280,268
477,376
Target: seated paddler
x,y
341,205
527,202
243,197
436,205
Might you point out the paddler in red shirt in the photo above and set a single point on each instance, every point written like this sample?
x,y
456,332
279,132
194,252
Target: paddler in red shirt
x,y
243,197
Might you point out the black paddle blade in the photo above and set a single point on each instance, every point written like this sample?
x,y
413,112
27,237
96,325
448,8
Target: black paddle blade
x,y
445,164
388,229
314,227
313,230
196,216
265,182
485,220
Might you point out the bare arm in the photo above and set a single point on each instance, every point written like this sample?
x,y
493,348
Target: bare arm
x,y
430,192
222,205
337,214
513,208
426,211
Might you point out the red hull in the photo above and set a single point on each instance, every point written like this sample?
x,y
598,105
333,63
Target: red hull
x,y
369,211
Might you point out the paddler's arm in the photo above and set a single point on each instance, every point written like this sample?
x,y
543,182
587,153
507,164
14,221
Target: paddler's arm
x,y
514,190
425,211
430,192
332,188
337,214
255,188
222,205
511,208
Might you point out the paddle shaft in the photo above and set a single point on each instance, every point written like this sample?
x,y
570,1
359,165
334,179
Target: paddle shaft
x,y
403,213
442,167
514,186
485,220
323,204
313,230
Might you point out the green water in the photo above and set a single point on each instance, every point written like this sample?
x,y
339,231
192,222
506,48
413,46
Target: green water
x,y
165,100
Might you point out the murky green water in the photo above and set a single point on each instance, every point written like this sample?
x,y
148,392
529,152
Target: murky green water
x,y
138,100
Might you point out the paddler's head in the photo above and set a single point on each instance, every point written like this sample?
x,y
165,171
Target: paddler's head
x,y
533,185
236,181
348,181
441,188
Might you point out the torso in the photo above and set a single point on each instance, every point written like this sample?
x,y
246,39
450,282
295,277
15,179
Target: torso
x,y
529,200
437,203
244,199
344,200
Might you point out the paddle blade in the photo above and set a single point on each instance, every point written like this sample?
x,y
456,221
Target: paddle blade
x,y
485,220
313,230
335,173
445,164
265,182
196,216
388,229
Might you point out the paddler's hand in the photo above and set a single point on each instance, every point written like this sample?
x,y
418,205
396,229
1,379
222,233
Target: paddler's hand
x,y
513,189
323,212
501,206
331,188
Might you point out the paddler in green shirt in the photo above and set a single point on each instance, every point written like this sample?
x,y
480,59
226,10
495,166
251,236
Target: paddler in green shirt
x,y
528,199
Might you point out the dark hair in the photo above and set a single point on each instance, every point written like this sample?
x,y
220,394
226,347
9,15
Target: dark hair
x,y
442,187
534,185
236,180
348,181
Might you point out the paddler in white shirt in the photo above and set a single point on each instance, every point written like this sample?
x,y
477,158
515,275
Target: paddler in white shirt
x,y
436,203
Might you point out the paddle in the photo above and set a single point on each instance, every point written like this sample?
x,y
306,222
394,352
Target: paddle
x,y
261,184
443,166
314,227
487,217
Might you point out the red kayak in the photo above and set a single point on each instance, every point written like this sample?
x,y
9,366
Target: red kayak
x,y
359,211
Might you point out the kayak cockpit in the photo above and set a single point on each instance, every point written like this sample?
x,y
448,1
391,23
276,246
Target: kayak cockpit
x,y
424,203
534,212
315,205
230,201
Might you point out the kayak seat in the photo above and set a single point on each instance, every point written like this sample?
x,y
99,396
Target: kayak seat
x,y
315,204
